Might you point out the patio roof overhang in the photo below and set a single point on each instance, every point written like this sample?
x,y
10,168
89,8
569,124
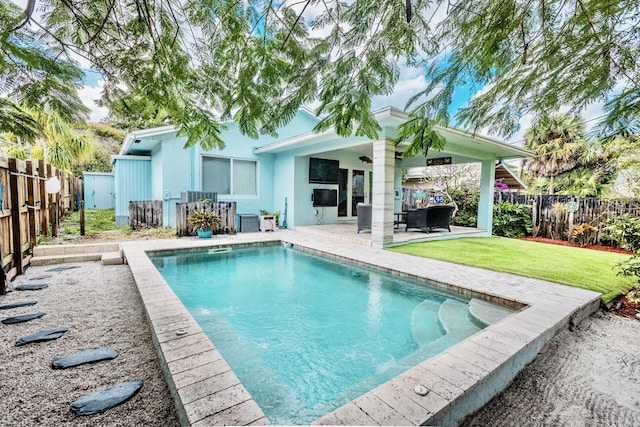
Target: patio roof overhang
x,y
459,142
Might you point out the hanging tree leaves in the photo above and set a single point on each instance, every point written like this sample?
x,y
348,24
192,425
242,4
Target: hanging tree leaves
x,y
257,62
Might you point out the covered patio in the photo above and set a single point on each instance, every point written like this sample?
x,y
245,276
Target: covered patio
x,y
348,232
370,172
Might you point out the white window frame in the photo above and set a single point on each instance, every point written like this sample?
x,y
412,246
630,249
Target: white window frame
x,y
231,185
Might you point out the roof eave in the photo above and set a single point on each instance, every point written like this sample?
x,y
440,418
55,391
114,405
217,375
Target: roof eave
x,y
131,137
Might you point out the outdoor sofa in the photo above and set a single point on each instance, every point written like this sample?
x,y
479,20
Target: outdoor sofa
x,y
426,219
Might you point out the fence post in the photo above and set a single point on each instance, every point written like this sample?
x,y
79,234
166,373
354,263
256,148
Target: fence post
x,y
15,215
44,201
54,219
31,209
82,217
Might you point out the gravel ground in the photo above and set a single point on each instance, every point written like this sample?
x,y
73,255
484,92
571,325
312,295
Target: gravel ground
x,y
101,307
586,377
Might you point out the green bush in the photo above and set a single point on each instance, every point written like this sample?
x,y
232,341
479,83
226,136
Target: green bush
x,y
511,220
466,198
625,229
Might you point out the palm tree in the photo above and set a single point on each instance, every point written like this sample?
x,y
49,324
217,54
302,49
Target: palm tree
x,y
557,141
61,145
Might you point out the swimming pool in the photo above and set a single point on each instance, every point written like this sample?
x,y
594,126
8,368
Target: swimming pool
x,y
306,335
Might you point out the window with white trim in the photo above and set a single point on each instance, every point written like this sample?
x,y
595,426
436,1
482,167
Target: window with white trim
x,y
228,176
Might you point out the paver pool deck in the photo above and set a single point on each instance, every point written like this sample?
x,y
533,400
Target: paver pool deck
x,y
459,380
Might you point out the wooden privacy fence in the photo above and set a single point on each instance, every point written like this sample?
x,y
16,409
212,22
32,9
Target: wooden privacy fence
x,y
26,208
145,214
554,215
226,210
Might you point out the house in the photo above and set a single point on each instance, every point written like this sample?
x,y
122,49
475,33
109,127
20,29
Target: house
x,y
262,174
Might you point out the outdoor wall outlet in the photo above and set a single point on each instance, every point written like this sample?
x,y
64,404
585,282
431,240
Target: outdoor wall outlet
x,y
316,212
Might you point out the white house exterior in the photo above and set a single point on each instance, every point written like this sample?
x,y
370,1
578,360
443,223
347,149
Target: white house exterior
x,y
263,173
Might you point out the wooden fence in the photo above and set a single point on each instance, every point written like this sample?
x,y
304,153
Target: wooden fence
x,y
145,214
554,215
226,210
26,208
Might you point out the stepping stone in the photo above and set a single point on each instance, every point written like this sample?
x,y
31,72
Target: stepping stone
x,y
47,335
48,276
62,268
23,318
31,287
18,304
87,356
100,401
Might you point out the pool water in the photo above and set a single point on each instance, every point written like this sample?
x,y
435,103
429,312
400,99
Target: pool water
x,y
306,335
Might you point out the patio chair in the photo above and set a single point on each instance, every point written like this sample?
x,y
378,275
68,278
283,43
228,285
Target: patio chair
x,y
426,219
364,217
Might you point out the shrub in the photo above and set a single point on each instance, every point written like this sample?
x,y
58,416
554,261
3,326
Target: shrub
x,y
511,220
625,229
466,198
204,220
583,233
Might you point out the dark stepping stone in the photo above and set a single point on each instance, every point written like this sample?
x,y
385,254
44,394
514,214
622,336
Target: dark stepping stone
x,y
31,287
47,335
22,318
87,356
62,268
100,401
18,304
48,276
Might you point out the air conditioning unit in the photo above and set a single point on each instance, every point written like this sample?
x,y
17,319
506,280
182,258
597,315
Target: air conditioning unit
x,y
194,196
267,223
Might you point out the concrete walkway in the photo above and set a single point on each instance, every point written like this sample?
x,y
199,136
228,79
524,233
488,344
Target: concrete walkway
x,y
459,381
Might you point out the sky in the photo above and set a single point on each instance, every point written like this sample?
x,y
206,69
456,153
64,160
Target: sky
x,y
411,81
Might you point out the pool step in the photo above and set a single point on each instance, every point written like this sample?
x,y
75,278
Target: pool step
x,y
455,319
453,324
487,313
108,253
424,322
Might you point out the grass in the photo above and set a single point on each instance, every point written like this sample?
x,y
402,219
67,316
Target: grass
x,y
100,225
95,221
583,268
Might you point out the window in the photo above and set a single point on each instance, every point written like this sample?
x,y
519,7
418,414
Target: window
x,y
229,176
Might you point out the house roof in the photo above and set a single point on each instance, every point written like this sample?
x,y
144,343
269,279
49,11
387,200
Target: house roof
x,y
505,175
458,141
146,138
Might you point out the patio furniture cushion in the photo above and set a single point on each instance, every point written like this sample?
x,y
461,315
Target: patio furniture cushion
x,y
364,217
426,219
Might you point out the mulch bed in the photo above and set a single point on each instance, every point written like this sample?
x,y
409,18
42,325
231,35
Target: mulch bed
x,y
623,307
576,245
620,306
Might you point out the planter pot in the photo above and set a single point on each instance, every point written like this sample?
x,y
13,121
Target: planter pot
x,y
204,234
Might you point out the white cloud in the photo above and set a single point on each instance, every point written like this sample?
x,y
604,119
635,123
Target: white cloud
x,y
89,95
410,82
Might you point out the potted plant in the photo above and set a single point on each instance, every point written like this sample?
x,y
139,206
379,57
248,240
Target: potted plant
x,y
204,222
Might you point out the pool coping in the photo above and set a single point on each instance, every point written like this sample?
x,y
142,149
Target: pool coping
x,y
459,380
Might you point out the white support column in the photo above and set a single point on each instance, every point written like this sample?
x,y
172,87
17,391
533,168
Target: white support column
x,y
383,181
485,204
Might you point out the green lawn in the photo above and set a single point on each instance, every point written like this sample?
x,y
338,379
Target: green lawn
x,y
95,221
582,268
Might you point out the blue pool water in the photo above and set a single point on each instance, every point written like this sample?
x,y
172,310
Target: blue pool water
x,y
306,335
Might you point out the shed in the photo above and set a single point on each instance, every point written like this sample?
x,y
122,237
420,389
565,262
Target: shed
x,y
99,190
